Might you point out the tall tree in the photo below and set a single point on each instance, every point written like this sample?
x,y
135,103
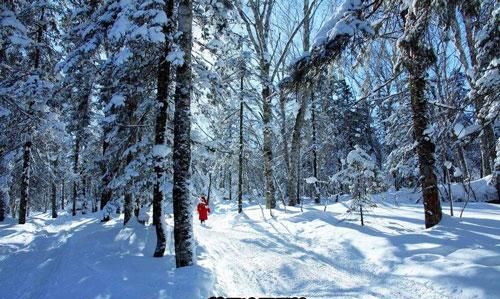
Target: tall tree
x,y
258,29
183,221
160,149
417,58
306,91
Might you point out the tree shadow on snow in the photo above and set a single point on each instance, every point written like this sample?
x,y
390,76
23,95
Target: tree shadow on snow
x,y
95,260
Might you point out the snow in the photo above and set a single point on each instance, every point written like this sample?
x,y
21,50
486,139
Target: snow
x,y
161,150
18,32
215,44
360,157
120,27
342,22
461,131
122,56
117,100
4,112
82,258
429,131
319,254
311,180
176,57
314,253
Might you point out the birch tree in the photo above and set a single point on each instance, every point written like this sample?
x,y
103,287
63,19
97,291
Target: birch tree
x,y
181,192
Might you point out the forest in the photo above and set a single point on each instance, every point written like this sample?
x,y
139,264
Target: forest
x,y
360,137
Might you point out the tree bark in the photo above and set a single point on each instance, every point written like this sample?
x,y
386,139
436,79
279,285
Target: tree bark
x,y
463,161
487,147
497,168
54,200
2,208
106,192
209,186
183,221
129,196
25,177
425,151
25,183
63,195
416,59
267,148
54,194
164,79
240,152
284,135
75,171
3,205
4,193
317,195
295,152
83,191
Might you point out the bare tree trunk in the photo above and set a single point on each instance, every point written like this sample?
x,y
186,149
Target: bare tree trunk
x,y
416,59
4,193
25,183
463,161
230,181
447,177
284,135
45,201
361,212
267,148
54,194
107,175
497,168
3,206
75,171
83,191
299,167
164,79
209,186
425,151
183,221
63,195
295,165
54,200
240,152
487,148
295,151
317,194
25,177
129,196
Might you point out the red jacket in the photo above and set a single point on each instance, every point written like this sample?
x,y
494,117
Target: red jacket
x,y
203,211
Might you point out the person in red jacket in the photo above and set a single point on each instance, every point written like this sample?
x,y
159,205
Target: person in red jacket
x,y
203,209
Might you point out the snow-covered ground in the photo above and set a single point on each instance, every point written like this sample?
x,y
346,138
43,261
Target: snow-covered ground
x,y
82,258
313,253
320,254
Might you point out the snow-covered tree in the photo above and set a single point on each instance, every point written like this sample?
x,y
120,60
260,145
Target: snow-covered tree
x,y
359,174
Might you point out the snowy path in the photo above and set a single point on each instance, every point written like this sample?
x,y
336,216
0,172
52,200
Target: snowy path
x,y
314,255
83,258
311,253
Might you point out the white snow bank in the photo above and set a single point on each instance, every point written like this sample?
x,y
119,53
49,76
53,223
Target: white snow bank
x,y
478,190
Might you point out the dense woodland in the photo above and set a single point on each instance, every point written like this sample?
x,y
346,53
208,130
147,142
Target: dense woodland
x,y
132,105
